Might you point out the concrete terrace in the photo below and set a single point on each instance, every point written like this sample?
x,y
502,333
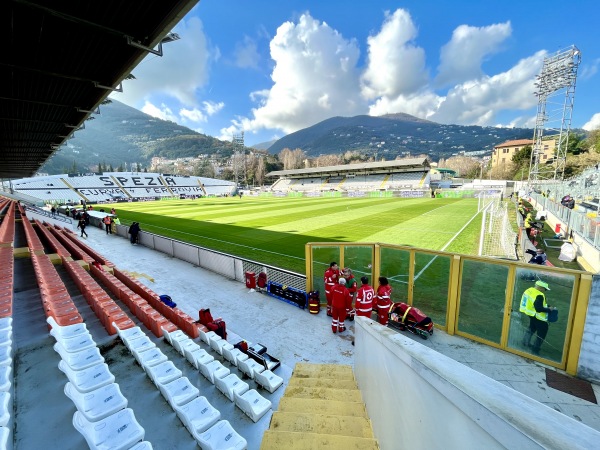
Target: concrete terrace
x,y
43,414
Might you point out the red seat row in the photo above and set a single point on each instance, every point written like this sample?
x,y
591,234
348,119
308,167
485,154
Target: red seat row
x,y
185,322
56,246
6,281
7,227
76,251
105,308
55,297
33,240
86,248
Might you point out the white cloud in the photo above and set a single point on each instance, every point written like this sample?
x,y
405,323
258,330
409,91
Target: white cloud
x,y
160,112
461,58
212,108
396,67
593,123
179,73
587,71
192,115
314,78
477,102
246,53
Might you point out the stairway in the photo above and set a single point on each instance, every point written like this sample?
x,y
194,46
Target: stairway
x,y
321,408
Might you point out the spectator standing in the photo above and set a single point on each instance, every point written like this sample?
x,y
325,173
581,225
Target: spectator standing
x,y
528,224
113,211
384,300
53,211
115,221
106,222
134,229
352,287
533,304
330,278
364,299
340,298
81,225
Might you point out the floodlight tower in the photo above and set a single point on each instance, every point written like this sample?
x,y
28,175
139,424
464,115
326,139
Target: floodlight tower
x,y
238,154
556,80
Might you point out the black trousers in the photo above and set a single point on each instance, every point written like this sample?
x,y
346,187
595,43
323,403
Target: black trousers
x,y
537,326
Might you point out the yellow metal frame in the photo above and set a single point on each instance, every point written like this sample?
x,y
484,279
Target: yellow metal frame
x,y
575,321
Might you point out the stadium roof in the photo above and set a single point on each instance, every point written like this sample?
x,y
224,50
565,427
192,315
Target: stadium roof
x,y
415,163
61,59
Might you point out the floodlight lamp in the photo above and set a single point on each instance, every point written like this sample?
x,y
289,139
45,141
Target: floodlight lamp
x,y
171,37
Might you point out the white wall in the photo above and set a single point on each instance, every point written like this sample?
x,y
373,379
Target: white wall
x,y
589,358
418,398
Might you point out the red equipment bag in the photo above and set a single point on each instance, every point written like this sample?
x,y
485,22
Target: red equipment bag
x,y
205,316
218,327
262,280
314,302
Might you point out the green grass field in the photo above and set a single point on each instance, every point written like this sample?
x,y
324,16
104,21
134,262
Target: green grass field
x,y
274,230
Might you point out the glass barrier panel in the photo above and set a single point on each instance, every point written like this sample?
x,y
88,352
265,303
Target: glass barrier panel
x,y
322,256
359,258
430,286
482,298
537,335
394,266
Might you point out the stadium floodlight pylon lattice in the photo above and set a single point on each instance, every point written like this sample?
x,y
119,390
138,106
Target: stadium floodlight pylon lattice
x,y
238,159
555,89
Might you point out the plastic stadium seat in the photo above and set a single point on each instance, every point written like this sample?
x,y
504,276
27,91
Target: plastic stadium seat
x,y
80,360
5,355
99,404
6,336
139,345
218,344
198,415
76,343
201,357
179,392
173,336
163,373
252,403
179,344
250,367
221,436
226,352
144,445
208,336
189,349
4,410
89,379
129,334
5,378
119,431
238,356
214,369
230,384
268,380
213,337
6,322
151,358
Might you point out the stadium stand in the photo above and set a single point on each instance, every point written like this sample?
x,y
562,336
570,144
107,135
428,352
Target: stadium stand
x,y
217,188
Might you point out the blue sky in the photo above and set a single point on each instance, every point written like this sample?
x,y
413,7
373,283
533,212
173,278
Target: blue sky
x,y
270,68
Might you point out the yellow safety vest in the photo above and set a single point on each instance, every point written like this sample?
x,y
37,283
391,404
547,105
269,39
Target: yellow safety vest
x,y
527,304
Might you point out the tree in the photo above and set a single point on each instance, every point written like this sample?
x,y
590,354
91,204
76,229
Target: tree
x,y
593,140
464,166
138,167
110,168
73,168
260,171
292,159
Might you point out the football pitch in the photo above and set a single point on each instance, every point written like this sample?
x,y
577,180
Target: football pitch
x,y
274,231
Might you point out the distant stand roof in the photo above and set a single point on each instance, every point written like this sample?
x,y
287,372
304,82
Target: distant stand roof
x,y
405,164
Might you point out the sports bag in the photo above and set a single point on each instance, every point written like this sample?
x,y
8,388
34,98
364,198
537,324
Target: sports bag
x,y
205,316
168,301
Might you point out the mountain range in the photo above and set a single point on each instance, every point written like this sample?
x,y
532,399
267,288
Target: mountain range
x,y
122,136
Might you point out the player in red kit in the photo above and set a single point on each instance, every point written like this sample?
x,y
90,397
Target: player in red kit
x,y
384,300
332,275
340,298
364,299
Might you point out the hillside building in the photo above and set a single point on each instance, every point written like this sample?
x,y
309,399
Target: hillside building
x,y
504,152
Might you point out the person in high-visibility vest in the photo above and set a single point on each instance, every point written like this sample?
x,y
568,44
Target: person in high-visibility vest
x,y
533,304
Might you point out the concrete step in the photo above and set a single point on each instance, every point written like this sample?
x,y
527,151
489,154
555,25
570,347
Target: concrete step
x,y
307,370
346,395
323,383
277,440
326,407
321,424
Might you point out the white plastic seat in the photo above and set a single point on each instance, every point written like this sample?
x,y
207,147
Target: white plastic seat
x,y
98,404
144,445
250,367
129,334
226,352
5,322
5,355
79,360
213,337
140,345
175,336
179,391
252,403
4,412
218,344
198,415
189,350
89,379
5,378
201,357
230,384
4,437
239,356
221,436
268,380
118,431
66,331
214,369
163,373
151,358
186,343
76,343
6,336
208,336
